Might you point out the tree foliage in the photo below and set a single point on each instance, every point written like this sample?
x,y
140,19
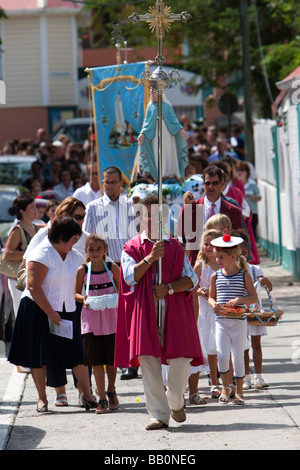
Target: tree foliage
x,y
214,39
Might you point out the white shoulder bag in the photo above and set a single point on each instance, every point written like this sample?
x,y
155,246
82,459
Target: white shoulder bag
x,y
101,302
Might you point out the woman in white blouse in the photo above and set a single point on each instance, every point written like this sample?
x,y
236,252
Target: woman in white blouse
x,y
57,378
68,207
51,266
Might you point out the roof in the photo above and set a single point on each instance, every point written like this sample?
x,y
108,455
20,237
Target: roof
x,y
36,4
285,84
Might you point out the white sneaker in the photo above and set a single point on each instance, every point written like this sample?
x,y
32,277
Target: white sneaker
x,y
260,383
247,384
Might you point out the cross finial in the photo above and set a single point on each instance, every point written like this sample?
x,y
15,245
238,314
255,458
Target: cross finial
x,y
160,19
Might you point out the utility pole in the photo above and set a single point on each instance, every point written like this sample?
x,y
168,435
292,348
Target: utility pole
x,y
249,142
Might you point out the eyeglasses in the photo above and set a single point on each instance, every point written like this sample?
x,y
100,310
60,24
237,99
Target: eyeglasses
x,y
92,173
78,217
211,183
111,182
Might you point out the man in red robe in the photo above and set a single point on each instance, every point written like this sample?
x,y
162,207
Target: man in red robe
x,y
139,340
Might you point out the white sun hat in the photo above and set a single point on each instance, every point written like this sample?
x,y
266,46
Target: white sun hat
x,y
227,241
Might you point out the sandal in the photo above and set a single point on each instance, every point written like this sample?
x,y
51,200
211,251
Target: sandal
x,y
195,399
215,392
233,389
103,407
238,399
61,400
41,406
224,398
113,402
87,404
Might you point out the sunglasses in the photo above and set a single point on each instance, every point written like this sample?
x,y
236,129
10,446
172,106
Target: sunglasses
x,y
211,183
78,217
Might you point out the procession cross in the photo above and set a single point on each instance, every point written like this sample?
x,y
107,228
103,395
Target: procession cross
x,y
160,19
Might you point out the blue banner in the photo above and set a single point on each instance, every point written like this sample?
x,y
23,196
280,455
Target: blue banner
x,y
118,104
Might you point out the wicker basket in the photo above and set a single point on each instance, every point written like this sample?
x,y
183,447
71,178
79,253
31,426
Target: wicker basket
x,y
230,312
259,317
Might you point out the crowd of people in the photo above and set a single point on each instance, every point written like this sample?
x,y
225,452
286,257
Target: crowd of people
x,y
89,248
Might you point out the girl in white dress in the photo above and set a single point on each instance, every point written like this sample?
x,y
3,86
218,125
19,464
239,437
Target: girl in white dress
x,y
205,266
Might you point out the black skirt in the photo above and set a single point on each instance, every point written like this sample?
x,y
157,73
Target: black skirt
x,y
33,345
99,350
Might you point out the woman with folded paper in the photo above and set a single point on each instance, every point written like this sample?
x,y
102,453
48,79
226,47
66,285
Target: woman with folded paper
x,y
47,305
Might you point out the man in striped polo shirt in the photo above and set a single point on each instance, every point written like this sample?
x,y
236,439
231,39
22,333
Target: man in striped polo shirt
x,y
110,215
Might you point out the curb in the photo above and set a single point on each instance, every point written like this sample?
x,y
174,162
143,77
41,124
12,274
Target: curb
x,y
10,405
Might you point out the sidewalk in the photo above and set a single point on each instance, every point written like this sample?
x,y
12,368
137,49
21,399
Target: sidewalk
x,y
270,418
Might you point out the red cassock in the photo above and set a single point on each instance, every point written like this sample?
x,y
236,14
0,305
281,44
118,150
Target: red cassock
x,y
137,330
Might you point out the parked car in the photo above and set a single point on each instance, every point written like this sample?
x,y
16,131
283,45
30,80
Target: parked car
x,y
7,195
75,129
15,169
7,316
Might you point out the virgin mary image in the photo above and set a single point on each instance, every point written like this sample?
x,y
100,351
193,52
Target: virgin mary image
x,y
174,141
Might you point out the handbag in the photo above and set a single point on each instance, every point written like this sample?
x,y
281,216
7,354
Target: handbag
x,y
8,267
101,302
21,278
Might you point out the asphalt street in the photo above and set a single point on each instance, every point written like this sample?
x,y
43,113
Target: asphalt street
x,y
269,419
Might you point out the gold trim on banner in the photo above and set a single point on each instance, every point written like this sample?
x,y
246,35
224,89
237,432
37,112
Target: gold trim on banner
x,y
147,91
102,86
121,78
90,74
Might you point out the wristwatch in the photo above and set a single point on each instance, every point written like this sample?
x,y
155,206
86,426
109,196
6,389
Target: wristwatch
x,y
171,290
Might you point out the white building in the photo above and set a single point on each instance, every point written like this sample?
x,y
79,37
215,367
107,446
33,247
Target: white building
x,y
39,65
277,161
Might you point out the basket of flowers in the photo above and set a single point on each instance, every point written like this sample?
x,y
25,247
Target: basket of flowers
x,y
230,312
259,316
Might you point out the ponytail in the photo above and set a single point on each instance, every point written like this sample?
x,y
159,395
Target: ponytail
x,y
243,263
240,260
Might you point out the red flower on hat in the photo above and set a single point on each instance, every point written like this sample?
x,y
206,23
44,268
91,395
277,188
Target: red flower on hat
x,y
226,237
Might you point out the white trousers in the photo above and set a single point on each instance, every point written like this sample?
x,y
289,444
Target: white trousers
x,y
158,401
231,336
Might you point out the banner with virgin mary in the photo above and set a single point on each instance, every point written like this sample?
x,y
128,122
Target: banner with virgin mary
x,y
118,104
